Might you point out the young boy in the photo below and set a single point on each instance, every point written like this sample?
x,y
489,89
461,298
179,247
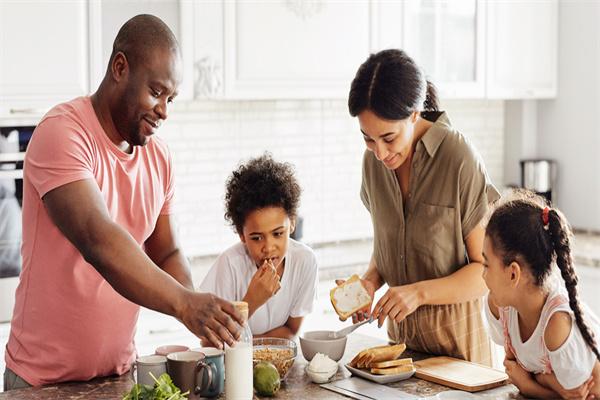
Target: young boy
x,y
276,275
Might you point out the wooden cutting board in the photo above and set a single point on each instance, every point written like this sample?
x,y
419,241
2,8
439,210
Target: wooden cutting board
x,y
459,374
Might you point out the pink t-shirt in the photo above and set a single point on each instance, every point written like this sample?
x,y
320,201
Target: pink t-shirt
x,y
68,322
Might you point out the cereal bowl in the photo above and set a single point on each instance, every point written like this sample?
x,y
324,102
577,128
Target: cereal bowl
x,y
278,351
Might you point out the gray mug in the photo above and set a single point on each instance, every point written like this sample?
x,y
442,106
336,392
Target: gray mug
x,y
216,359
187,369
157,365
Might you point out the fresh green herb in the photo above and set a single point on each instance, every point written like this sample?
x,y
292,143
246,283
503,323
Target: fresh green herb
x,y
163,389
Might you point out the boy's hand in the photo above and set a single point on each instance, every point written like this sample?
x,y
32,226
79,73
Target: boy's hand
x,y
264,284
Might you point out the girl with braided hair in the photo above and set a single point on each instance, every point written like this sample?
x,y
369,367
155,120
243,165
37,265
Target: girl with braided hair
x,y
549,336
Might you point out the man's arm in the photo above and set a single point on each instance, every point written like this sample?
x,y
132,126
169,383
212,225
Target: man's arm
x,y
80,213
163,249
287,330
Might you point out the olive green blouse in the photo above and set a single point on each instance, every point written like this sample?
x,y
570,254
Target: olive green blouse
x,y
424,237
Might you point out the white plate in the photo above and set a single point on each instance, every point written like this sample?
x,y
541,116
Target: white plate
x,y
380,378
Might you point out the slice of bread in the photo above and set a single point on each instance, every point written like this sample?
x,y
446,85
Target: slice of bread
x,y
370,356
392,363
392,371
357,358
350,297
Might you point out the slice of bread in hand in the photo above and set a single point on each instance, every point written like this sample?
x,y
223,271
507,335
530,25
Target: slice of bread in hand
x,y
392,363
393,370
349,297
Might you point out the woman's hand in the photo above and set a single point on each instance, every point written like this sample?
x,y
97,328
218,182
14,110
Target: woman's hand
x,y
397,303
264,284
365,313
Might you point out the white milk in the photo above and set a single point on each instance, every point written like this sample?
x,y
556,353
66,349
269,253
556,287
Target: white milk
x,y
238,372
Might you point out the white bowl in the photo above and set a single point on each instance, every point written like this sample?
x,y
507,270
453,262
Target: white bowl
x,y
320,377
315,342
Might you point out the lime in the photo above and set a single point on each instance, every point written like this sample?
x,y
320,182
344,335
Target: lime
x,y
266,379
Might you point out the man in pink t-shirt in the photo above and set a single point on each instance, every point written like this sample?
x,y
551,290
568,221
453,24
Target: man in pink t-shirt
x,y
98,239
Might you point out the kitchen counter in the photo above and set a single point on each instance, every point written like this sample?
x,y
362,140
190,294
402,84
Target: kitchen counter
x,y
296,386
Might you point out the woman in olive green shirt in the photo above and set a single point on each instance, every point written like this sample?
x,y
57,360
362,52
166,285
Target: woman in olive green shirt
x,y
427,192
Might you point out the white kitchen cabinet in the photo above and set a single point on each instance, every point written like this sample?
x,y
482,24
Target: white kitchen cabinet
x,y
109,15
522,45
43,54
446,38
271,49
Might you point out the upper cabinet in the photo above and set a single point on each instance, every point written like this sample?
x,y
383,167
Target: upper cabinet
x,y
256,49
522,49
43,54
282,49
446,38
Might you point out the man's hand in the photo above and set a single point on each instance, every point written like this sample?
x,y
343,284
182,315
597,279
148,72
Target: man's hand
x,y
365,313
212,318
264,284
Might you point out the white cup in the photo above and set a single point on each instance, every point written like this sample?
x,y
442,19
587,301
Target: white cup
x,y
146,364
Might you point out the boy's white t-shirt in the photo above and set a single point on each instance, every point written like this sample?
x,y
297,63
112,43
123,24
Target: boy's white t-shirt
x,y
572,363
230,276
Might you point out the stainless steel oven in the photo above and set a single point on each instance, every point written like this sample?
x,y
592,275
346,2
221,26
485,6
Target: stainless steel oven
x,y
13,143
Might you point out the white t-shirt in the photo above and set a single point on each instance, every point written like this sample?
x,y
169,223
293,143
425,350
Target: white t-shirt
x,y
233,270
572,363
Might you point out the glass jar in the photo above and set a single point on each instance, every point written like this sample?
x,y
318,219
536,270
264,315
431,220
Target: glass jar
x,y
238,361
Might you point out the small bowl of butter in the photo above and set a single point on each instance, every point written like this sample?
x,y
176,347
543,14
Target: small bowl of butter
x,y
321,368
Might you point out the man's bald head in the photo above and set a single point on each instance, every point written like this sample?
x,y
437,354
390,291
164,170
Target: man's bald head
x,y
140,36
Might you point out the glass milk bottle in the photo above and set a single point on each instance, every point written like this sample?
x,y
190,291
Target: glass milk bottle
x,y
238,362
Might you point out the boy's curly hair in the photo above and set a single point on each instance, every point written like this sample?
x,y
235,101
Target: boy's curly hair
x,y
259,183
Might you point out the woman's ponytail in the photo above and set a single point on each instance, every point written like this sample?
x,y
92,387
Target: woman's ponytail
x,y
560,237
431,102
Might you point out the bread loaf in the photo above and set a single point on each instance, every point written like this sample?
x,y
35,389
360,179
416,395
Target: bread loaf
x,y
350,297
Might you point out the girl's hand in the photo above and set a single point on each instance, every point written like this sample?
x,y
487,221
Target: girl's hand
x,y
397,303
581,392
365,313
517,375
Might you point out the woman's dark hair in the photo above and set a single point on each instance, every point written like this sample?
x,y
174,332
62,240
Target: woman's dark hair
x,y
517,232
259,183
392,86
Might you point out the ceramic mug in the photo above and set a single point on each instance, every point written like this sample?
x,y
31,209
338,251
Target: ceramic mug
x,y
187,370
216,359
170,348
146,364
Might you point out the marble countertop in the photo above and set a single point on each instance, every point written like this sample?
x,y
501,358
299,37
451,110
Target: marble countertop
x,y
296,386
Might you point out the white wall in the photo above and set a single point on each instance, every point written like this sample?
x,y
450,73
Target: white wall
x,y
569,126
208,139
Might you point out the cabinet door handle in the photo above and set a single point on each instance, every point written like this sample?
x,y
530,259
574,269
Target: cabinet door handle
x,y
11,174
26,111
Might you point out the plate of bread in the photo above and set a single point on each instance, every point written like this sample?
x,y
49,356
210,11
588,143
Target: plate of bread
x,y
382,364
